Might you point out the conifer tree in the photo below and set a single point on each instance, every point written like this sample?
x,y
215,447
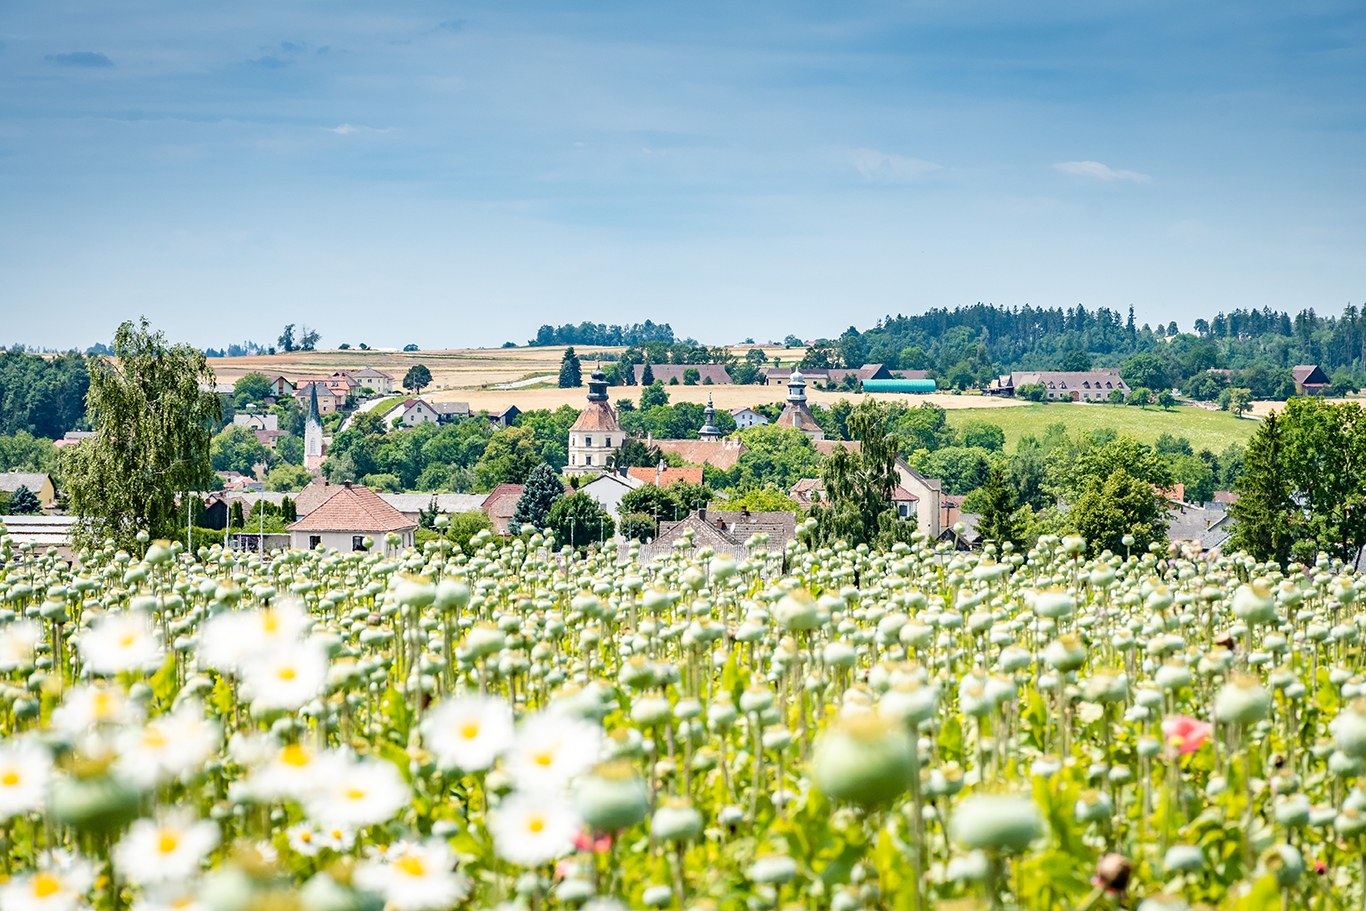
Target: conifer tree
x,y
543,487
571,374
647,377
24,502
999,522
1264,504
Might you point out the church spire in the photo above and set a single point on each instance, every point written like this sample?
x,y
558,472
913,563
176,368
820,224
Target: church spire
x,y
709,430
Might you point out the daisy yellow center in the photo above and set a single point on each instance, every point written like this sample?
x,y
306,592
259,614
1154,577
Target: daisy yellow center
x,y
10,778
167,843
270,623
535,824
469,730
355,794
544,758
127,639
287,673
153,737
294,755
103,705
45,884
411,865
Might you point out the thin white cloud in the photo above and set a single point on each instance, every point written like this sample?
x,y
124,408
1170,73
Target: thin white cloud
x,y
876,165
346,129
1098,171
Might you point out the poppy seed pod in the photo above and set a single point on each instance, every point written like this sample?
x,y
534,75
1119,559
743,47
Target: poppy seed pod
x,y
676,820
1254,604
796,610
452,594
415,592
1066,653
1349,728
996,823
1242,701
864,758
612,797
1183,859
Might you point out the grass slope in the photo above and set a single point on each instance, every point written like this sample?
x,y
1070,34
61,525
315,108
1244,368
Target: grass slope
x,y
1212,430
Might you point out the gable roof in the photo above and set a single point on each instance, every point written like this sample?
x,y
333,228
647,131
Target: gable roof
x,y
1309,375
1070,379
666,476
721,454
314,495
357,509
500,504
371,371
666,372
10,481
726,531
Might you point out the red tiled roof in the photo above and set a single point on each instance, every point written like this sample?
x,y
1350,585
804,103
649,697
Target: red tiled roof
x,y
500,504
1226,496
902,495
315,495
597,417
689,473
827,447
354,508
722,454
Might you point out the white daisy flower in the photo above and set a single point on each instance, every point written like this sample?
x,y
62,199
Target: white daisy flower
x,y
121,642
353,795
167,850
415,877
469,732
534,829
303,838
337,838
17,643
294,772
231,640
56,887
169,897
551,749
285,679
169,747
95,704
25,770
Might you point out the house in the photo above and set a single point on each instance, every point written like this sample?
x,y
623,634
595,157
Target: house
x,y
726,531
665,373
266,427
663,475
1064,385
448,412
748,417
280,387
927,492
236,481
1310,380
72,437
410,413
505,417
347,517
411,504
342,385
807,491
499,506
722,454
42,532
777,376
597,434
950,509
795,413
328,400
608,488
1198,526
39,484
372,380
1175,494
963,534
1223,499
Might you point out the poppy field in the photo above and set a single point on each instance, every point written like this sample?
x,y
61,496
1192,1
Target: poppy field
x,y
523,727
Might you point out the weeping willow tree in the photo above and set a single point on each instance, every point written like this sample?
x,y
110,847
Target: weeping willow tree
x,y
859,484
153,424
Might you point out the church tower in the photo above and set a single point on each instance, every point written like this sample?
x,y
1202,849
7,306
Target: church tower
x,y
709,431
596,434
313,433
795,414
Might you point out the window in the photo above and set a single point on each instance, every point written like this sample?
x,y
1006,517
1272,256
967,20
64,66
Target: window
x,y
588,460
588,441
607,442
314,542
905,510
358,542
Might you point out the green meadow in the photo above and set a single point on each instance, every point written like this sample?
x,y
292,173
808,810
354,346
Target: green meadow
x,y
1212,430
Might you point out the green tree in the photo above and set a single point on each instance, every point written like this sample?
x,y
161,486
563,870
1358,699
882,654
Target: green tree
x,y
308,339
464,526
652,395
1326,456
763,499
633,454
636,526
1147,370
1000,521
542,489
153,427
237,449
370,422
647,376
571,374
1118,505
1262,515
417,378
508,458
1072,466
690,376
983,434
24,502
578,520
859,485
962,469
1166,400
251,388
1239,401
287,478
287,339
236,517
1075,360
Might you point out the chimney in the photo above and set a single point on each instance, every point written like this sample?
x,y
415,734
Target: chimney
x,y
702,512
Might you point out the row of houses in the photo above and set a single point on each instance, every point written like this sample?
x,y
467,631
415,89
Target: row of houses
x,y
772,376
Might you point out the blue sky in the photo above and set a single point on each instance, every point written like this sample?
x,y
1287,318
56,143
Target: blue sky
x,y
457,174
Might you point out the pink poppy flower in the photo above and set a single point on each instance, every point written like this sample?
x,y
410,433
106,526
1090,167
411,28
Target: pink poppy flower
x,y
1185,733
598,844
